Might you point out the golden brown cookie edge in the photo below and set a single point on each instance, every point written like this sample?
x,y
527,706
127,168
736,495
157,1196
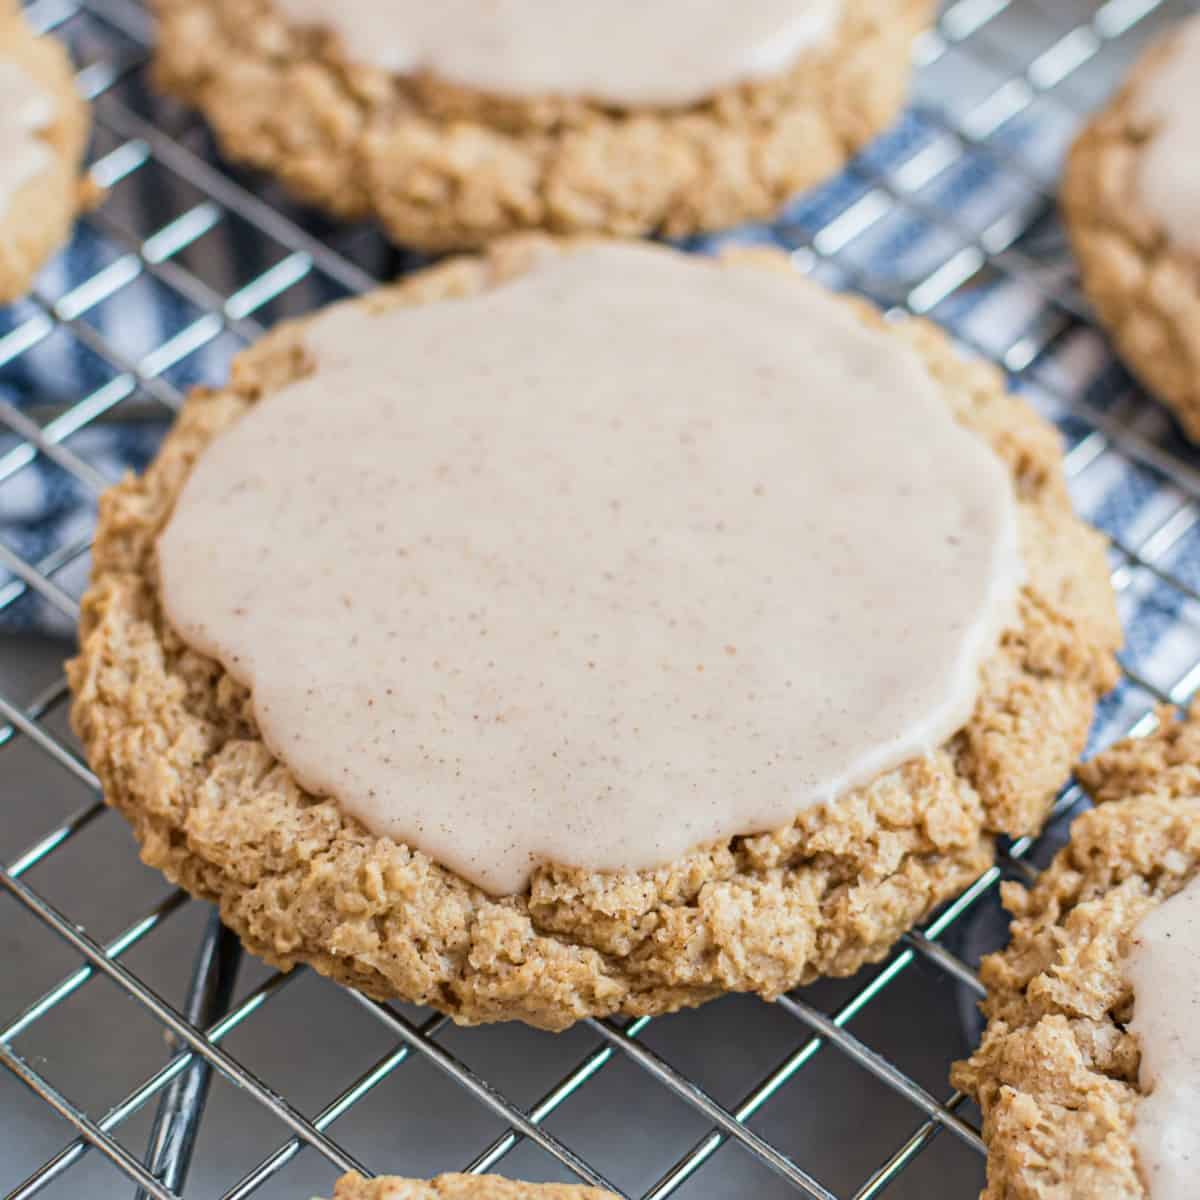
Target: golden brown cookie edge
x,y
444,167
1145,291
39,215
174,744
460,1187
1056,1072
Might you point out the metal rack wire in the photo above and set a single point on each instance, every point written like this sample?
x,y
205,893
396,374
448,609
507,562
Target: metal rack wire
x,y
1002,84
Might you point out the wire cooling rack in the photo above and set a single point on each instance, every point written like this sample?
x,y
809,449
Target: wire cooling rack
x,y
836,1090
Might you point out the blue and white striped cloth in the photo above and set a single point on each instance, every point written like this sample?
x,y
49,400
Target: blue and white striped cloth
x,y
851,233
863,238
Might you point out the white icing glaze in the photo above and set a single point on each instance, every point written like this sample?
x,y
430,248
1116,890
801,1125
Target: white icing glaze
x,y
628,555
26,109
1169,174
628,52
1164,969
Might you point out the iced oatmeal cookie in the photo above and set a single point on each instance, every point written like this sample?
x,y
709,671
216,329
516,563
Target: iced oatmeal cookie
x,y
179,742
1074,1100
452,127
1131,199
460,1187
43,129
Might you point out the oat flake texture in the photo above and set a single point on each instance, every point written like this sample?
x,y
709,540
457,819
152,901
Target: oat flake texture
x,y
174,743
1057,1073
460,1187
442,166
36,220
1144,287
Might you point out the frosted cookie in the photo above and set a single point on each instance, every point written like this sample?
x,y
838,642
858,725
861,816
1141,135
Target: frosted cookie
x,y
1089,1069
460,1187
455,123
43,129
660,627
1131,198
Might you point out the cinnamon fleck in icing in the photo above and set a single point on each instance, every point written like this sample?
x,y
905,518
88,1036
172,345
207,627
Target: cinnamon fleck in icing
x,y
599,566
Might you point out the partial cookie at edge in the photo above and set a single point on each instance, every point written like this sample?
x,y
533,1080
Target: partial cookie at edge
x,y
444,167
460,1187
38,217
174,743
1145,290
1056,1074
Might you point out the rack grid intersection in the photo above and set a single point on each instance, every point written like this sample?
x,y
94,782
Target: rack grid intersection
x,y
215,256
